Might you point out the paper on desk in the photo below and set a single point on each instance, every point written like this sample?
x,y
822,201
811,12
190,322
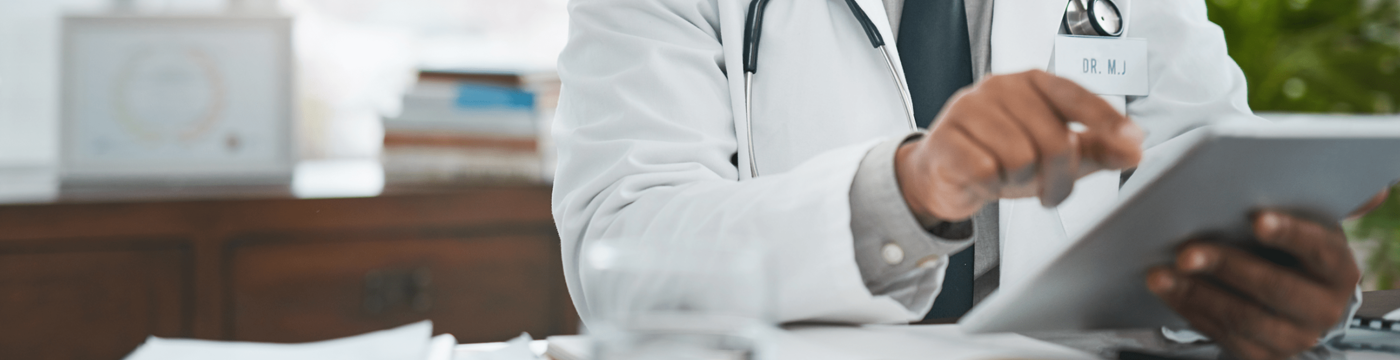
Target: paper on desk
x,y
518,348
442,347
877,342
405,342
569,347
914,341
1392,315
537,347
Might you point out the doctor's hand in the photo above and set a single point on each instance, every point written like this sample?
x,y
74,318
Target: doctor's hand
x,y
1255,308
1010,136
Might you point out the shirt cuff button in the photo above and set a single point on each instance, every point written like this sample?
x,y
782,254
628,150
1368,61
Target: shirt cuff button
x,y
892,253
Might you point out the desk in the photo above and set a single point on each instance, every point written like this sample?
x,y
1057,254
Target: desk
x,y
1375,304
938,341
90,275
877,342
1103,343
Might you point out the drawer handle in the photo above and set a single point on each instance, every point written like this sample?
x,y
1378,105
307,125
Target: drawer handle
x,y
387,289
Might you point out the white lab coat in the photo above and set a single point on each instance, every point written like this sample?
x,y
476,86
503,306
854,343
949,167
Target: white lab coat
x,y
652,110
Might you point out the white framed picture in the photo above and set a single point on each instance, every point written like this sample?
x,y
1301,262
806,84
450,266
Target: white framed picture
x,y
188,98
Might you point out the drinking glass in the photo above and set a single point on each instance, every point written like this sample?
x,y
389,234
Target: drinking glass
x,y
677,300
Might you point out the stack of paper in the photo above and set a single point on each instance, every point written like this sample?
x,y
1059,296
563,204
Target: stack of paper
x,y
522,347
412,341
876,342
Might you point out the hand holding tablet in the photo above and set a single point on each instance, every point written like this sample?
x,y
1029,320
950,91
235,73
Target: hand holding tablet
x,y
1257,308
1210,187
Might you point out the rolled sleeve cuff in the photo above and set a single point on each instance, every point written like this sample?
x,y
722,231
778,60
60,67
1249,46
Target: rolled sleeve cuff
x,y
897,256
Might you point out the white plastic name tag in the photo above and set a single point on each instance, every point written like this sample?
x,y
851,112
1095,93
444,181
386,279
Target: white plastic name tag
x,y
1103,65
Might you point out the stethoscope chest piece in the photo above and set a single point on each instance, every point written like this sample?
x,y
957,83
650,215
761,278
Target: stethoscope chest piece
x,y
1093,18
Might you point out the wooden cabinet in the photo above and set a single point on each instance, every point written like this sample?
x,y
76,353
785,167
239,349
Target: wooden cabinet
x,y
91,299
90,280
481,285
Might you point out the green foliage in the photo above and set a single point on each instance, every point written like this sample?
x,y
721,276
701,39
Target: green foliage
x,y
1381,226
1336,56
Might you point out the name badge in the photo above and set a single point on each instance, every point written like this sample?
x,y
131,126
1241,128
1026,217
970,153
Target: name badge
x,y
1103,65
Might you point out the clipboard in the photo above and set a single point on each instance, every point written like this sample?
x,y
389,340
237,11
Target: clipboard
x,y
1206,181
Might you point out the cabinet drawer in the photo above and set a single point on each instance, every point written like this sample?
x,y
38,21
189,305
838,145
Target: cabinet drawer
x,y
477,286
99,304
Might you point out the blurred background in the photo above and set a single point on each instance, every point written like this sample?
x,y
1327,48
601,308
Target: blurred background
x,y
1325,58
355,64
275,170
332,167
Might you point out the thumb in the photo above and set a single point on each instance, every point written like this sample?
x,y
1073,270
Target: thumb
x,y
1111,148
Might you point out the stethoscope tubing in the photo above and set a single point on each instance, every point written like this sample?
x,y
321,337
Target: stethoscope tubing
x,y
1080,21
753,27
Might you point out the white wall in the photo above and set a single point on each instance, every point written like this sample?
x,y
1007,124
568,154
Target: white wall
x,y
472,33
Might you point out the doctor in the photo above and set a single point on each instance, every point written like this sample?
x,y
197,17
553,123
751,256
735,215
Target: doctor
x,y
664,135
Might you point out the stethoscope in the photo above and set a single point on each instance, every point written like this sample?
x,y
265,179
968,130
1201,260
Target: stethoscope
x,y
753,24
1082,17
1093,18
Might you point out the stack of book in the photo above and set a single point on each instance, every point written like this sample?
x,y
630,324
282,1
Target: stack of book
x,y
472,126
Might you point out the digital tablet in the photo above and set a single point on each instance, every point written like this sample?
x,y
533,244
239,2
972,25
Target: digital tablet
x,y
1206,181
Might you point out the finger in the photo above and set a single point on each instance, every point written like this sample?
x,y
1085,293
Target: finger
x,y
1111,138
1165,282
1088,165
1229,316
1112,150
984,174
1322,249
1211,327
1370,204
967,176
1049,135
1074,103
1069,165
1246,349
1279,289
999,135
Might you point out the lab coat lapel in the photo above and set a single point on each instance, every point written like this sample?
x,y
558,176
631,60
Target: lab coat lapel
x,y
1023,34
1023,38
875,9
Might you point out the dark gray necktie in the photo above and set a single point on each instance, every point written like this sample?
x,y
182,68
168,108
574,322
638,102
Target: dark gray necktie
x,y
937,57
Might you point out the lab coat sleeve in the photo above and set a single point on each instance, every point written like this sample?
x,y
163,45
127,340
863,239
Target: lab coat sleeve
x,y
645,134
1193,81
